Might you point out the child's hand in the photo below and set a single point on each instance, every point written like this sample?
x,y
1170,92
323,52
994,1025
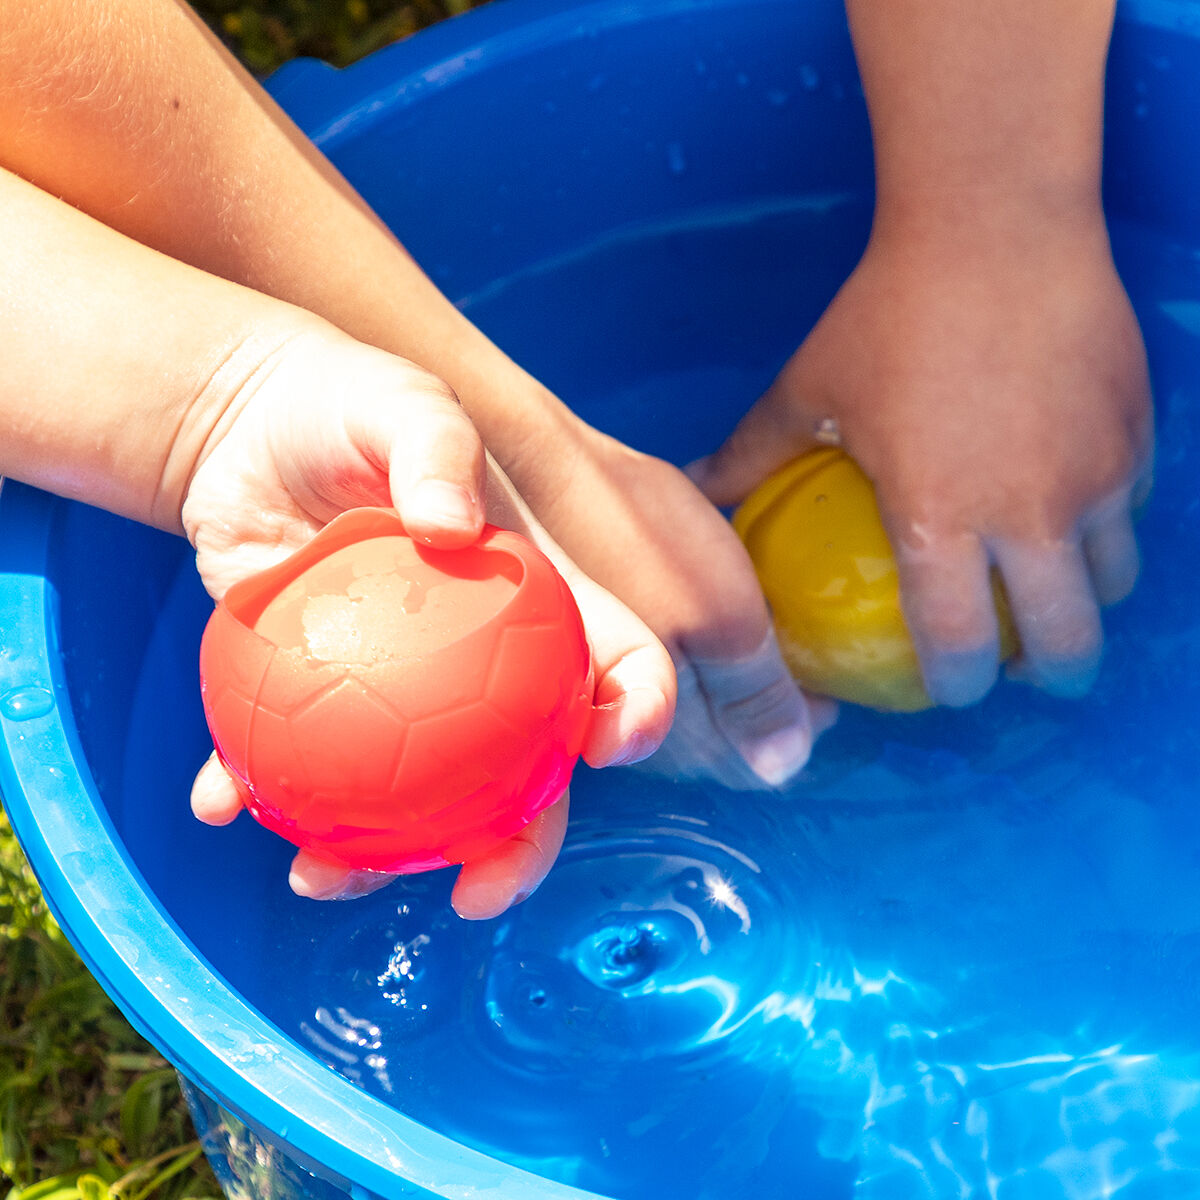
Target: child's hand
x,y
992,383
195,187
322,423
640,527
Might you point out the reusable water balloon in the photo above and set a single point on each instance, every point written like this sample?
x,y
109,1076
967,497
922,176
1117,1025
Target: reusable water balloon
x,y
393,707
826,566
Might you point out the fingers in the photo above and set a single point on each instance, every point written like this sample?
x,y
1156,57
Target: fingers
x,y
317,879
217,799
951,616
635,681
413,425
1057,616
436,472
216,795
328,425
757,711
489,885
1110,547
1054,591
635,689
485,888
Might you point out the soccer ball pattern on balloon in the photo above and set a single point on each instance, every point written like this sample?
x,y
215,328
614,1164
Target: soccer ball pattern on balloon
x,y
396,708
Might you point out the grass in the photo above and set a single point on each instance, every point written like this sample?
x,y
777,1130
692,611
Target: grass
x,y
266,33
88,1110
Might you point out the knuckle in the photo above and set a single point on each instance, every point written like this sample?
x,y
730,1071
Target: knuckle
x,y
955,622
770,706
435,391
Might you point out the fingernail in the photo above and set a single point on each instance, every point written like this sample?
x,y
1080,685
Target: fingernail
x,y
777,757
618,737
958,680
442,503
493,903
635,749
1066,680
314,889
329,881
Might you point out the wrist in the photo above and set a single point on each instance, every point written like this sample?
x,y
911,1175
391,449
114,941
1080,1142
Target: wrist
x,y
115,358
1016,175
984,219
519,419
227,376
984,104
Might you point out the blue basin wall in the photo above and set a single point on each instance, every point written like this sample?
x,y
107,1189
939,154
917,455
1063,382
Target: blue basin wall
x,y
494,145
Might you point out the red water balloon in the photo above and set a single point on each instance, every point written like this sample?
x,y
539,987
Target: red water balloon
x,y
393,707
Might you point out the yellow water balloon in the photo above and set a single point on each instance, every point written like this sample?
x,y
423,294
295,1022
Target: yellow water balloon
x,y
827,569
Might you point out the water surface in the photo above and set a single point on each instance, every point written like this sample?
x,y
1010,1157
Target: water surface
x,y
957,958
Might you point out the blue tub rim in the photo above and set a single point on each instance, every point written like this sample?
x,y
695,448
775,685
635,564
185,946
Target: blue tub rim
x,y
123,934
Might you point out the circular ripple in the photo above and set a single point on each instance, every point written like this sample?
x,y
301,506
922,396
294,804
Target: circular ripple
x,y
639,945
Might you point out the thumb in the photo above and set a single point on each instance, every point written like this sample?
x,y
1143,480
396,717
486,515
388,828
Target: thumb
x,y
742,720
772,433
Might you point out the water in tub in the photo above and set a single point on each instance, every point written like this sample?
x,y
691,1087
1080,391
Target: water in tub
x,y
957,958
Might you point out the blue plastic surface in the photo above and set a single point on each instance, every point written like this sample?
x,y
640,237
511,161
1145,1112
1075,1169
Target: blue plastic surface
x,y
958,959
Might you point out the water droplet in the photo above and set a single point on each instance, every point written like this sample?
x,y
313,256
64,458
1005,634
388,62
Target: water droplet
x,y
777,97
810,77
1141,111
404,969
676,159
822,499
620,956
26,703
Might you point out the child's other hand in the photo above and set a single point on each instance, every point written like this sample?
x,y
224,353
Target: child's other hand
x,y
316,424
991,380
639,527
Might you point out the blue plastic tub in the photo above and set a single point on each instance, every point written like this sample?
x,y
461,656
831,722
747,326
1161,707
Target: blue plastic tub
x,y
958,959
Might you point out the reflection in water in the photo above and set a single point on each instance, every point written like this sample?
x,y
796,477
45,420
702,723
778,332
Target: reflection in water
x,y
350,1044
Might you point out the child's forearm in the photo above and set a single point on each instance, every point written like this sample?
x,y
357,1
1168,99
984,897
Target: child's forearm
x,y
130,111
117,361
981,105
133,112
